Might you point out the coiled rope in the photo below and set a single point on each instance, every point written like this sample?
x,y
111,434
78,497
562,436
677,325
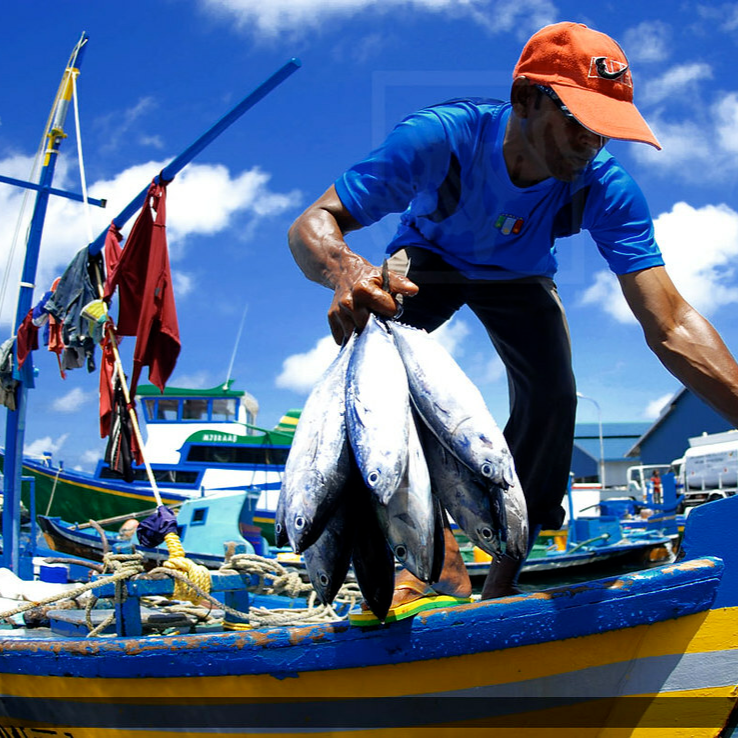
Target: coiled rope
x,y
273,579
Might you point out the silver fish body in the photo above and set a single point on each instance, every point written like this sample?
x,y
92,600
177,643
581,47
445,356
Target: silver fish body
x,y
452,406
408,518
373,562
472,501
318,464
516,518
328,559
377,409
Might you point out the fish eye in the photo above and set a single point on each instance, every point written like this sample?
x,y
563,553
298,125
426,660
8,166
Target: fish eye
x,y
372,478
486,469
299,522
278,527
486,533
400,552
324,580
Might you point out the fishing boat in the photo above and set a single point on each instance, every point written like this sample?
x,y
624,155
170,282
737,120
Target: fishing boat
x,y
651,653
198,443
208,528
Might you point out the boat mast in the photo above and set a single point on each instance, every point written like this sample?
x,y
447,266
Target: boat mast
x,y
16,419
15,426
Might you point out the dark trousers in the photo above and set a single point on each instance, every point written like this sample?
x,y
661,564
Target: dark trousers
x,y
526,323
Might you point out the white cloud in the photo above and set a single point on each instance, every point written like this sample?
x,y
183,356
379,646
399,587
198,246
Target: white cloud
x,y
183,283
451,334
45,445
679,80
203,199
301,371
647,42
654,408
90,457
72,401
298,17
494,372
198,380
726,121
605,293
703,148
708,283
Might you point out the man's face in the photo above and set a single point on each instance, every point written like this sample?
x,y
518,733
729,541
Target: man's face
x,y
561,146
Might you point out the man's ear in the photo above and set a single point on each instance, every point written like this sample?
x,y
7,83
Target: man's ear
x,y
521,96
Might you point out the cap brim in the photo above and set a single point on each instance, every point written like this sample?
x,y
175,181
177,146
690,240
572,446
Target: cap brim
x,y
618,119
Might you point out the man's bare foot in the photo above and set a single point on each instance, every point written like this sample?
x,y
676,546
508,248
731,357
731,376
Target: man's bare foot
x,y
502,578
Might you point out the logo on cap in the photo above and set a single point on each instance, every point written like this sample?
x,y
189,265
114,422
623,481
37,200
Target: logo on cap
x,y
606,68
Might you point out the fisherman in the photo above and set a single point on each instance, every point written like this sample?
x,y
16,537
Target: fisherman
x,y
485,188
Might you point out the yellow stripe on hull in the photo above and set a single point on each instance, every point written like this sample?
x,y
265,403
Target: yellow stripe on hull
x,y
714,631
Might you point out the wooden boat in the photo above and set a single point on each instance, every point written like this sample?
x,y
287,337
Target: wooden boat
x,y
207,527
198,442
649,653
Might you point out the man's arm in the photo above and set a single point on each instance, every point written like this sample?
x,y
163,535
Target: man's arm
x,y
685,342
316,240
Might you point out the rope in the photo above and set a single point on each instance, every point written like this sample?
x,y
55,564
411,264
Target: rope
x,y
192,583
195,573
118,576
80,158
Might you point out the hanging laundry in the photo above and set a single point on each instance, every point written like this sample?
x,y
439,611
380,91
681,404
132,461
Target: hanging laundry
x,y
8,385
27,338
112,248
146,298
76,288
107,384
122,449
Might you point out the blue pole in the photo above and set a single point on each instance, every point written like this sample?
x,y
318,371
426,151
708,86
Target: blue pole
x,y
15,425
177,164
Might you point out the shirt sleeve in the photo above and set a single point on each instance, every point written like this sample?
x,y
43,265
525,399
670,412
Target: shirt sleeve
x,y
413,159
619,221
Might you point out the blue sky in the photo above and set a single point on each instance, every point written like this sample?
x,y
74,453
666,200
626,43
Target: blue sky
x,y
158,74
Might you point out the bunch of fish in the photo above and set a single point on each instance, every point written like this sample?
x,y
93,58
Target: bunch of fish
x,y
392,434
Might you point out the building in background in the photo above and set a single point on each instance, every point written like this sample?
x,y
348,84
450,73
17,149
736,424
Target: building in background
x,y
630,444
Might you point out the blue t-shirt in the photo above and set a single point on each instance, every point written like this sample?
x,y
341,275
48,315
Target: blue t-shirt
x,y
444,170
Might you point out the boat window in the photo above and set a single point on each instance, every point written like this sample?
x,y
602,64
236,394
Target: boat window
x,y
195,409
224,409
150,409
167,409
163,476
238,454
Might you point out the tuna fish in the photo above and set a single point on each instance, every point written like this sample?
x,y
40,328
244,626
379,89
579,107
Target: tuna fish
x,y
377,410
516,517
474,504
328,559
408,518
373,562
318,464
452,406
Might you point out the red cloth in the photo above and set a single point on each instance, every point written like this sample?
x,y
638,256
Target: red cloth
x,y
112,249
107,385
145,294
26,339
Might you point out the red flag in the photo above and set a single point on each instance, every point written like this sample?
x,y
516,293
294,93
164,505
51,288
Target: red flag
x,y
145,295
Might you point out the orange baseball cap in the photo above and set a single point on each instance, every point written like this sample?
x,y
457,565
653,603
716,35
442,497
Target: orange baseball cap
x,y
590,73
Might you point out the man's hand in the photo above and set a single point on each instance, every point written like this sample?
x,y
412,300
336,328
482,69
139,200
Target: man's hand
x,y
361,293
